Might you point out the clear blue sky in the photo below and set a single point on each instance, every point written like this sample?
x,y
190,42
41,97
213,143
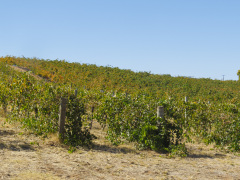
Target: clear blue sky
x,y
199,38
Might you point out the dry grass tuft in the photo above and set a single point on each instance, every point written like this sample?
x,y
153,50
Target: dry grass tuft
x,y
52,140
36,176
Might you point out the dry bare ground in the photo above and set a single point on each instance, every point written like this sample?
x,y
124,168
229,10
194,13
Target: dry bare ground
x,y
25,156
21,69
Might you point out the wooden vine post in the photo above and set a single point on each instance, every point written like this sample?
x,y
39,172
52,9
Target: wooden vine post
x,y
113,94
76,92
160,113
186,101
5,109
62,116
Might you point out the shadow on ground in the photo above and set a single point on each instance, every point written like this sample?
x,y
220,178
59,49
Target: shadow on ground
x,y
6,142
112,149
6,132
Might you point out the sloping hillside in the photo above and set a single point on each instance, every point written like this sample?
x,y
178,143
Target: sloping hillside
x,y
211,112
109,78
126,120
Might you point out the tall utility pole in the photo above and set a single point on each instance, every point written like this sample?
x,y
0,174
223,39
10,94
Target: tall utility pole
x,y
223,77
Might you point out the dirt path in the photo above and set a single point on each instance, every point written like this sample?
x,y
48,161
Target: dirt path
x,y
25,156
21,69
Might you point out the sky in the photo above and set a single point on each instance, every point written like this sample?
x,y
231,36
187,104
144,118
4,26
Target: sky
x,y
196,38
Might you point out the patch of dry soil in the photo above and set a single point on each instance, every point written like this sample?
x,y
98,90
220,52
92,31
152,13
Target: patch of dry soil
x,y
22,69
25,156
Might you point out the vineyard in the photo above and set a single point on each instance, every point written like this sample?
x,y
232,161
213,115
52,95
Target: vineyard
x,y
123,102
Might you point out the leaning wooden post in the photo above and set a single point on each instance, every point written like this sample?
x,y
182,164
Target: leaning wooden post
x,y
92,117
5,109
185,115
113,94
76,91
160,113
62,116
186,100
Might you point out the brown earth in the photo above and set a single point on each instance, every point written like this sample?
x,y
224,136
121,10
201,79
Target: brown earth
x,y
25,156
22,69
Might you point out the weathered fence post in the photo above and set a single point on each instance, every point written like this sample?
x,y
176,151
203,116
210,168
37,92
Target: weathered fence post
x,y
113,94
5,109
76,91
62,116
92,110
160,112
186,100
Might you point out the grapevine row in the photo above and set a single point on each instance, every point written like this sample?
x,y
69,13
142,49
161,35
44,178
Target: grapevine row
x,y
130,117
